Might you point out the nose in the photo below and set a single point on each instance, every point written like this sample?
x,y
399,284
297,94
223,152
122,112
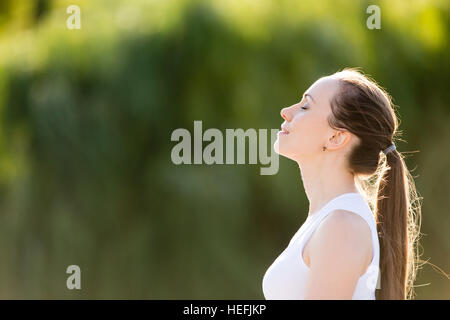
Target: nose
x,y
284,114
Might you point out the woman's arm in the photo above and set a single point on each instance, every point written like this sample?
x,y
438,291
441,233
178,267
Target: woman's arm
x,y
339,253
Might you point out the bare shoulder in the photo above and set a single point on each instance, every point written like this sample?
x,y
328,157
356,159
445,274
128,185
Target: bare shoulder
x,y
346,221
345,233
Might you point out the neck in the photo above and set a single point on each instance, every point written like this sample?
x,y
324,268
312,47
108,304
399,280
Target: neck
x,y
325,181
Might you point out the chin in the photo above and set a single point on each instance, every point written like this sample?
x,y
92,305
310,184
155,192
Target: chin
x,y
278,149
285,153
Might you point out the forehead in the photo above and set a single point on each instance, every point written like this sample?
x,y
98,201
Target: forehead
x,y
323,89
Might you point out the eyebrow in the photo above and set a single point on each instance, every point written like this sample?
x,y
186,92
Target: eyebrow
x,y
308,95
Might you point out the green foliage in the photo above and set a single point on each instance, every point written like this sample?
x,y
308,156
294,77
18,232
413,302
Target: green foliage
x,y
87,115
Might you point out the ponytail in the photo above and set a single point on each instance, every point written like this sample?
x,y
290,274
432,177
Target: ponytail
x,y
397,215
365,109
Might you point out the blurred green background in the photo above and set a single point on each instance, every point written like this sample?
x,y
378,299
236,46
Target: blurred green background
x,y
86,117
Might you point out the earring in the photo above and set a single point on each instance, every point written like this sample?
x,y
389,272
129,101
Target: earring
x,y
324,148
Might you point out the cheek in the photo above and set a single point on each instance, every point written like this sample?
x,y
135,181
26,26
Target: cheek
x,y
309,132
309,127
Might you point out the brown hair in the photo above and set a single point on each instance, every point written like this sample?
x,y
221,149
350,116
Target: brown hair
x,y
365,109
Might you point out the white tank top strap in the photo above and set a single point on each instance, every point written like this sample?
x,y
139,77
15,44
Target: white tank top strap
x,y
345,201
353,202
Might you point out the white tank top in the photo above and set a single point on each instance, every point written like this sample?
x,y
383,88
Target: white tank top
x,y
286,278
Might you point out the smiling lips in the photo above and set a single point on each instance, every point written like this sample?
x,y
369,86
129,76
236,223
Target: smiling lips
x,y
284,130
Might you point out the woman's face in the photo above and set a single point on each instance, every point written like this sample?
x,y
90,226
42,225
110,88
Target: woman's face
x,y
306,124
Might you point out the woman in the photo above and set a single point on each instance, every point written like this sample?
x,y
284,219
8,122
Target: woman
x,y
360,238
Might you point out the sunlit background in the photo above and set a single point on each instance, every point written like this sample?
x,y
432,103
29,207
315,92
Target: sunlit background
x,y
86,176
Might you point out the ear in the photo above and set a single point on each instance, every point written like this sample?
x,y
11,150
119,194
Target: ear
x,y
338,140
